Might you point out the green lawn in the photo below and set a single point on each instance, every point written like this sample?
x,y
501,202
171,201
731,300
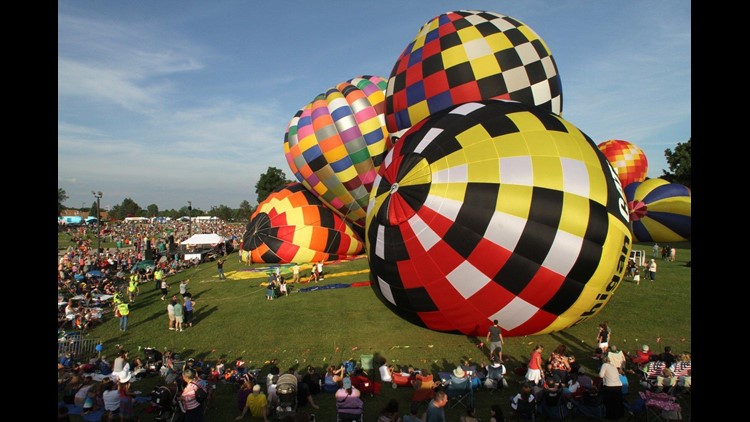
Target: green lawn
x,y
234,320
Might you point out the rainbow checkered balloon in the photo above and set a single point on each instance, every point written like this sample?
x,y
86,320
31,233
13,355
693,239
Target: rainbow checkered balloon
x,y
335,144
628,160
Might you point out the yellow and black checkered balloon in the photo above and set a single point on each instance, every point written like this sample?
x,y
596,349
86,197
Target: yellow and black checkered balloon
x,y
496,210
470,55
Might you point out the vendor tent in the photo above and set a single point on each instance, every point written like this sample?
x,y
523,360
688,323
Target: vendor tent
x,y
212,239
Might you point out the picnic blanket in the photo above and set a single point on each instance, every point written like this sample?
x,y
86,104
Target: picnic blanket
x,y
324,287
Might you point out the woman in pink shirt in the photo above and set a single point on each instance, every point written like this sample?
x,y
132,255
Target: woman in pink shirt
x,y
534,371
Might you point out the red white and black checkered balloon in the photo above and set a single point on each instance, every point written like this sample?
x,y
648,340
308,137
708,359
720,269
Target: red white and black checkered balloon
x,y
496,210
470,55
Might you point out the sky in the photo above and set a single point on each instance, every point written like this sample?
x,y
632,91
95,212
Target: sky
x,y
166,102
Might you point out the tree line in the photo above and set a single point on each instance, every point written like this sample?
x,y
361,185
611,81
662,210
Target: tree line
x,y
269,181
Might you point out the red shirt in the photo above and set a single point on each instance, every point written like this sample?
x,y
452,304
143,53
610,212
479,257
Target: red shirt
x,y
533,362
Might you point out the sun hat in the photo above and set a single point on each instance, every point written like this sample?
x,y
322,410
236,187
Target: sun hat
x,y
347,383
256,388
644,347
459,372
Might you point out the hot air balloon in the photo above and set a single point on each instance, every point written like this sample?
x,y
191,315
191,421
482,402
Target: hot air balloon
x,y
628,160
292,225
335,144
470,55
496,210
660,211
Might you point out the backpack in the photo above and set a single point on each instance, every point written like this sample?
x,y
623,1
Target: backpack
x,y
201,392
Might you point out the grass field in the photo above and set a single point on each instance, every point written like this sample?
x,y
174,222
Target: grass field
x,y
234,320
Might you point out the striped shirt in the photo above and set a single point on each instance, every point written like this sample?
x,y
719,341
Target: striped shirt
x,y
189,394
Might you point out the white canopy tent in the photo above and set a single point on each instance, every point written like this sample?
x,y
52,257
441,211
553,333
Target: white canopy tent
x,y
211,239
198,242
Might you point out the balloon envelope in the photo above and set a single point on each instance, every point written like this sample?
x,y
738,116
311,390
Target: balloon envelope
x,y
470,55
292,225
627,159
496,210
660,211
335,144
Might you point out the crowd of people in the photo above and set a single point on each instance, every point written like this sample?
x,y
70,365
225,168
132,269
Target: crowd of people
x,y
548,380
552,382
88,283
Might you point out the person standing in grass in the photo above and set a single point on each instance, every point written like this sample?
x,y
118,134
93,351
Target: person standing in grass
x,y
170,313
220,268
652,270
164,289
602,337
495,339
534,368
178,315
295,273
124,312
188,310
183,287
158,277
132,288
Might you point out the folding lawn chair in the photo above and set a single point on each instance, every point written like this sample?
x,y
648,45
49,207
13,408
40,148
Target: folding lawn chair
x,y
460,393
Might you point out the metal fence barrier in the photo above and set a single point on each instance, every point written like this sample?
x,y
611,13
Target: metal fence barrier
x,y
79,348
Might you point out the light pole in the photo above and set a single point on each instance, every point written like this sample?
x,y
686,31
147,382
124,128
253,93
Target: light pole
x,y
190,219
98,196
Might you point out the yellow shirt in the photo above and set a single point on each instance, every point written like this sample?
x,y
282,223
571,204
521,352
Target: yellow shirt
x,y
256,403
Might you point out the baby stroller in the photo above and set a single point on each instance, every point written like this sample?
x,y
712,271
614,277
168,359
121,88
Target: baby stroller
x,y
166,402
153,360
286,390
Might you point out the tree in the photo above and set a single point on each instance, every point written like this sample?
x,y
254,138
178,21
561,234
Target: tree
x,y
244,212
62,196
679,164
93,211
153,210
269,181
222,211
127,208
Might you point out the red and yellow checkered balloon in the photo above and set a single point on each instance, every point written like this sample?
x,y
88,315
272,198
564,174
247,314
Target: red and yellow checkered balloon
x,y
627,159
292,225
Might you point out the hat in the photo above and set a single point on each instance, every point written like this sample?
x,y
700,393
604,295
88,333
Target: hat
x,y
256,388
495,364
613,348
171,378
347,382
459,372
644,347
124,376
